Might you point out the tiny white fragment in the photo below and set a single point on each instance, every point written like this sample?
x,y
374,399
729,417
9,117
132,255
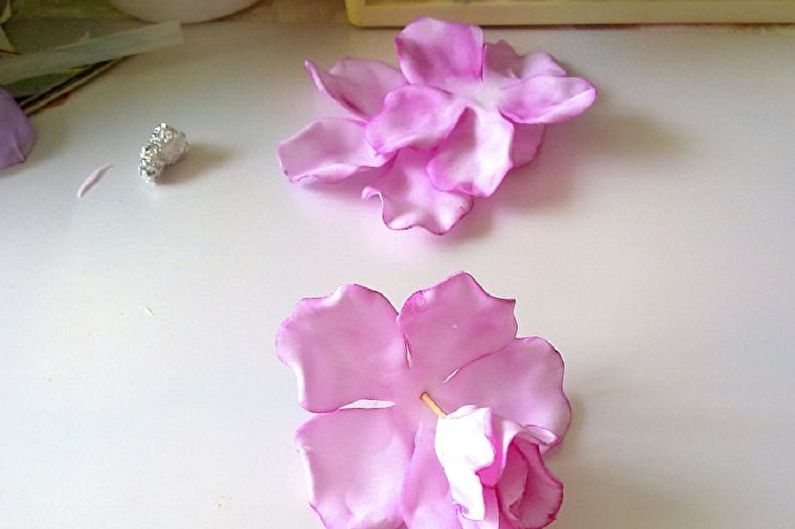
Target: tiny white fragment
x,y
149,310
92,179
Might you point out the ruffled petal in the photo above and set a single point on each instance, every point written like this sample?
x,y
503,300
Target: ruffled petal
x,y
529,493
527,140
480,452
492,518
355,461
409,199
476,156
414,116
502,65
343,348
523,382
16,132
464,448
453,323
547,99
425,499
329,150
440,54
358,85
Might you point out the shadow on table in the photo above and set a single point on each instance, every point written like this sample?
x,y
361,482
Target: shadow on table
x,y
607,496
550,181
200,159
568,151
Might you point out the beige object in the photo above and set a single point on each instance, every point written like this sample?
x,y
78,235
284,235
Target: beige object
x,y
546,12
185,11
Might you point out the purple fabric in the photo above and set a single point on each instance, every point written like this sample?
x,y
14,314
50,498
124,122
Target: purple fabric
x,y
17,135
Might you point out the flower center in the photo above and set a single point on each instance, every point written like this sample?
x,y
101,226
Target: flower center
x,y
435,408
484,95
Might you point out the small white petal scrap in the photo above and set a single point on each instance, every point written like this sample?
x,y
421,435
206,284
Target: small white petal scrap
x,y
92,179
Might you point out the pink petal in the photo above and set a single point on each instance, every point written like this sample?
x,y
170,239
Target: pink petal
x,y
527,140
409,199
504,66
523,382
329,150
463,448
476,156
356,460
440,54
479,450
17,135
414,116
547,99
343,348
358,85
453,323
426,497
529,493
492,518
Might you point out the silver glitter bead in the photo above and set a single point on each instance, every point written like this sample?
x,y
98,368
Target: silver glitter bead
x,y
166,146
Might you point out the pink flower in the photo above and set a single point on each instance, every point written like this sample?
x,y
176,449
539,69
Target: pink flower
x,y
495,469
377,381
447,127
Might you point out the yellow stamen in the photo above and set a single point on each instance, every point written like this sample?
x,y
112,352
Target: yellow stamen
x,y
428,401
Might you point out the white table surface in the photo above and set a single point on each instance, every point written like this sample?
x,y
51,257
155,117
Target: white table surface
x,y
652,242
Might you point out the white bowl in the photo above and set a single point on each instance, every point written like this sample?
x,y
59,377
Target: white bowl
x,y
185,11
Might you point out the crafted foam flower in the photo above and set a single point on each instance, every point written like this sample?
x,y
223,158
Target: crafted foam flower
x,y
448,126
404,461
16,132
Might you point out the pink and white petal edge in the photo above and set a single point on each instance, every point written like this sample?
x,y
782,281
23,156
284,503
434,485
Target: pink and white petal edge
x,y
522,382
358,85
343,348
440,54
342,453
408,199
329,150
453,323
476,156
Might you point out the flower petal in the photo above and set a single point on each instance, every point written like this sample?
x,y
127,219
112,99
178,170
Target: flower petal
x,y
453,323
343,348
547,99
356,460
413,116
529,493
329,150
527,140
464,448
440,54
476,156
504,66
480,451
409,199
358,85
16,132
523,382
491,519
425,499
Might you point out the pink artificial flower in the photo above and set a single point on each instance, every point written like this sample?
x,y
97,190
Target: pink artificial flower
x,y
378,380
495,470
446,127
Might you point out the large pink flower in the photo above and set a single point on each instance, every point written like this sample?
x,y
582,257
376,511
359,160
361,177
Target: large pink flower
x,y
446,127
378,380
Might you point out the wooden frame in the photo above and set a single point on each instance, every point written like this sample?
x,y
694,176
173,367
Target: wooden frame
x,y
552,12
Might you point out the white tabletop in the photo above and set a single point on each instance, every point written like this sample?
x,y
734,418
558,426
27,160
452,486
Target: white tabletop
x,y
652,242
